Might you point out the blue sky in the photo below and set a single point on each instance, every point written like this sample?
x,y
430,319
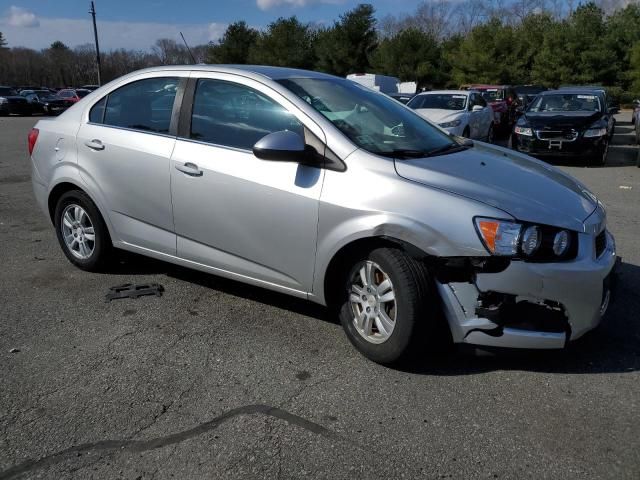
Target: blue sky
x,y
138,23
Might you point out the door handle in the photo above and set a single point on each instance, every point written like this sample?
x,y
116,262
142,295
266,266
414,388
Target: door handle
x,y
95,144
190,169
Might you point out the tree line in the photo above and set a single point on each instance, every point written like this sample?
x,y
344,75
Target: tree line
x,y
443,43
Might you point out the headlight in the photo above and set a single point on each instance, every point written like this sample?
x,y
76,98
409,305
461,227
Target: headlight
x,y
531,239
595,132
499,236
526,131
453,123
561,243
531,243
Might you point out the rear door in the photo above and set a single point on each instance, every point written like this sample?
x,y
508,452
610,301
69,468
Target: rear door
x,y
251,219
124,151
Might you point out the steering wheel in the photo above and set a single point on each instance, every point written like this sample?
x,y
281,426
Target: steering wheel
x,y
398,130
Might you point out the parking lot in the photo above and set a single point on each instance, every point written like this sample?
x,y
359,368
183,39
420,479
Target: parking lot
x,y
216,379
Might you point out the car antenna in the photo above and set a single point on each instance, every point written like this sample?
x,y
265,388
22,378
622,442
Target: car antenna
x,y
193,59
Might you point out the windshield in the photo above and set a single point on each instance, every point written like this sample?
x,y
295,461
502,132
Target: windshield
x,y
369,119
442,101
491,94
565,102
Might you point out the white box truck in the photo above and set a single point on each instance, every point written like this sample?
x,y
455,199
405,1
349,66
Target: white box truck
x,y
380,83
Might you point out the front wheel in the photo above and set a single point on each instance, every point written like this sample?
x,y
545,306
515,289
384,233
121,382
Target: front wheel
x,y
600,158
388,302
490,133
81,231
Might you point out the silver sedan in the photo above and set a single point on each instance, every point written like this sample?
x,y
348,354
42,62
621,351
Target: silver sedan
x,y
317,187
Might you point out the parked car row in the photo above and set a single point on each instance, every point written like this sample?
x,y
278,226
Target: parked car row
x,y
30,101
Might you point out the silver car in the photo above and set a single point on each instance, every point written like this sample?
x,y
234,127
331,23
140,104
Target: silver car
x,y
320,188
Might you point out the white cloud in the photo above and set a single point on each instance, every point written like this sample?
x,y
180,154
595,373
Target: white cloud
x,y
21,18
267,4
130,35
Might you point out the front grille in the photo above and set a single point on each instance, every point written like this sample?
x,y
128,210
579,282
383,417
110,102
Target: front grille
x,y
563,135
601,243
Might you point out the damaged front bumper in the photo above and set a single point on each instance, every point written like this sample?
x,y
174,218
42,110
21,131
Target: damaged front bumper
x,y
534,305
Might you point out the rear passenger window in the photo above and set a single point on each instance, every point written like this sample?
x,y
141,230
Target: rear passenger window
x,y
96,115
234,115
144,105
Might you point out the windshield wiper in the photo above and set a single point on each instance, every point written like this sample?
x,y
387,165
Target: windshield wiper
x,y
448,148
403,153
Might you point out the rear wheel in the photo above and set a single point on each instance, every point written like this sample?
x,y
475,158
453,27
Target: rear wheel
x,y
81,231
388,302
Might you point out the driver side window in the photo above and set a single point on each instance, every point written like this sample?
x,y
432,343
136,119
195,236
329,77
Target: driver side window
x,y
234,115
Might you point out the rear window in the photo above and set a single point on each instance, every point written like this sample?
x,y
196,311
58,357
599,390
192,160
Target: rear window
x,y
492,94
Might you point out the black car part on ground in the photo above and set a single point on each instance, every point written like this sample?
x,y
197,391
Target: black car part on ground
x,y
132,290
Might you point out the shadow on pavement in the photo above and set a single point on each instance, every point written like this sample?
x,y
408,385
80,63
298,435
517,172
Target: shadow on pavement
x,y
614,347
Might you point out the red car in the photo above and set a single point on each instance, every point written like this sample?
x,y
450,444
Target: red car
x,y
72,95
503,100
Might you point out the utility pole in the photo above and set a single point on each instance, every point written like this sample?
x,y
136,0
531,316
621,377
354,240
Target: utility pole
x,y
95,34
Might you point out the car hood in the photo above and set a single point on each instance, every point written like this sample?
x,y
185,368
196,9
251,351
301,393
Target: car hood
x,y
551,120
527,189
437,115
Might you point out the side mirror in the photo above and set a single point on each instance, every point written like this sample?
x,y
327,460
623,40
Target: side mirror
x,y
614,110
283,146
477,108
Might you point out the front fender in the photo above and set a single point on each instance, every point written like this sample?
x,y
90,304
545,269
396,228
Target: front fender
x,y
436,222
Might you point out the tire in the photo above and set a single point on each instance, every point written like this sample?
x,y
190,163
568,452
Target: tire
x,y
490,133
88,230
413,310
466,133
600,159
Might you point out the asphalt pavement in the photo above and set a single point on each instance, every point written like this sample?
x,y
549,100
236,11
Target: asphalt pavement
x,y
216,379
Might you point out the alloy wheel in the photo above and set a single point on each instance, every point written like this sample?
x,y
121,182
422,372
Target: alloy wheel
x,y
373,302
78,232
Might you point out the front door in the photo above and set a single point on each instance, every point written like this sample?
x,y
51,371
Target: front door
x,y
251,219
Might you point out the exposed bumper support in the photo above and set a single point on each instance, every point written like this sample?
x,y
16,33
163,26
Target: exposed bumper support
x,y
531,305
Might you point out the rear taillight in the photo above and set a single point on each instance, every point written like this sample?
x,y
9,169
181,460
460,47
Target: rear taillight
x,y
33,136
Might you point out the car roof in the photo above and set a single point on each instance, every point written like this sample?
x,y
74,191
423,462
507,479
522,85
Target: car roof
x,y
274,73
473,86
573,91
456,92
